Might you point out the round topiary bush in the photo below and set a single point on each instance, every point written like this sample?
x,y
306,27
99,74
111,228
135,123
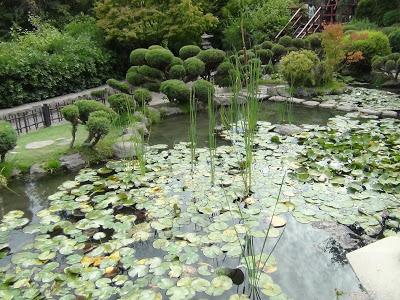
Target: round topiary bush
x,y
189,51
394,39
159,58
86,107
212,58
194,67
285,41
152,47
141,95
143,74
8,139
314,41
98,126
119,85
202,89
298,43
301,68
267,45
223,76
175,90
134,77
278,51
177,72
176,61
138,57
152,86
265,55
122,103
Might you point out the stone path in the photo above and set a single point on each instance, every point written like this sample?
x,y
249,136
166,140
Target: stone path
x,y
39,144
378,268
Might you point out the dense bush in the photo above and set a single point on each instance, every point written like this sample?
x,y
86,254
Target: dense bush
x,y
278,51
177,72
314,41
176,91
388,65
194,67
223,76
189,51
122,103
8,139
142,74
159,58
138,57
176,61
285,41
267,45
202,89
265,55
211,58
375,10
298,43
142,95
47,63
119,85
86,107
391,17
98,126
394,39
301,68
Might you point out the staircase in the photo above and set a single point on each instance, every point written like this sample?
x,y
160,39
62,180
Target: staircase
x,y
300,25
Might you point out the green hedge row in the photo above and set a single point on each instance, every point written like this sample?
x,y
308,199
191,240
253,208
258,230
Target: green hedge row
x,y
47,63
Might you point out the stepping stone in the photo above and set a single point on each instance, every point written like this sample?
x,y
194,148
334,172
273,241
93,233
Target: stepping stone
x,y
278,99
311,103
327,105
345,108
378,268
369,111
296,100
40,144
389,114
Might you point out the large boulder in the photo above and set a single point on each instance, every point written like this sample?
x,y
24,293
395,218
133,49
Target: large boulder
x,y
72,161
124,150
287,129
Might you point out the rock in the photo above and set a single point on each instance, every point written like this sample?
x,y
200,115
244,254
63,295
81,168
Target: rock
x,y
72,161
296,100
223,99
369,111
124,150
136,129
287,129
142,118
311,103
345,108
170,111
16,172
278,98
37,170
39,144
328,105
389,114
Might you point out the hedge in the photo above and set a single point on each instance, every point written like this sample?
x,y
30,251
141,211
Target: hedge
x,y
48,63
8,139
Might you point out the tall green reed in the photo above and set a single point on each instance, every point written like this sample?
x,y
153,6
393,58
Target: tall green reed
x,y
192,128
212,139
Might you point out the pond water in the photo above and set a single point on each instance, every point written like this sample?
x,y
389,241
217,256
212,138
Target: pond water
x,y
307,269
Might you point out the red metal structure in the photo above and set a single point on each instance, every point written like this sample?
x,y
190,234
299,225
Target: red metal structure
x,y
300,25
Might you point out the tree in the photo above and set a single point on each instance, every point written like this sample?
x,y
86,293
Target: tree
x,y
333,45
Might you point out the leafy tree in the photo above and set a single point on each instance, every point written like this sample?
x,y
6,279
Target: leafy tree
x,y
333,45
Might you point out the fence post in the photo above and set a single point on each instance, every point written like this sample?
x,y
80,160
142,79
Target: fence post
x,y
46,115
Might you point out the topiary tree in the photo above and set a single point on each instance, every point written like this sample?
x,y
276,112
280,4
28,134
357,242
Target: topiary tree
x,y
138,57
189,51
122,103
394,39
71,114
159,58
142,95
278,51
98,126
141,75
223,76
298,43
285,41
176,61
301,68
119,85
202,89
211,58
177,72
175,90
264,55
388,65
86,107
314,41
194,67
8,139
267,45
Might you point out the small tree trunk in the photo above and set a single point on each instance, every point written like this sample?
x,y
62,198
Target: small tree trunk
x,y
89,139
3,157
95,141
74,130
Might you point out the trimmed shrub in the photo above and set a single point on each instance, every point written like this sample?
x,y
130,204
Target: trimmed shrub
x,y
298,43
267,45
138,57
212,58
71,114
176,91
285,41
122,103
265,55
314,41
159,58
388,66
394,39
8,139
189,51
152,86
152,47
153,115
301,68
278,51
98,126
223,76
119,85
201,89
391,17
140,75
141,95
194,67
268,69
86,107
176,61
134,77
250,55
177,72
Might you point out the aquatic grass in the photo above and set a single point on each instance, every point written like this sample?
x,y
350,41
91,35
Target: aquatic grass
x,y
192,128
212,139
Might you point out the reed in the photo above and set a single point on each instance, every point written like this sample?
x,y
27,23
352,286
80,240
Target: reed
x,y
212,139
193,129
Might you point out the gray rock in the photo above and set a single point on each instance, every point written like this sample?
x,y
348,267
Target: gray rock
x,y
16,172
389,114
328,105
369,111
137,128
278,98
345,108
296,100
287,129
170,111
142,118
311,103
72,161
124,150
37,170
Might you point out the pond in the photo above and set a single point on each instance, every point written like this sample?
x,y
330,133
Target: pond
x,y
305,266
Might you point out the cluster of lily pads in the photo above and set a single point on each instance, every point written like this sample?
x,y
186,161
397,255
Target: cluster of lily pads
x,y
116,233
366,98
